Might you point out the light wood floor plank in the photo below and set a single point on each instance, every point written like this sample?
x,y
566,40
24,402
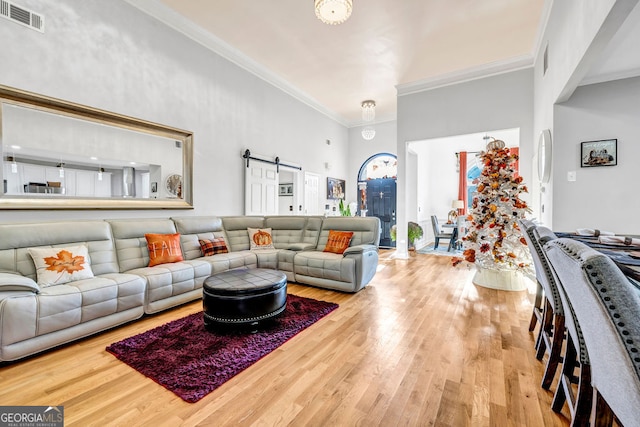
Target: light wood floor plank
x,y
421,345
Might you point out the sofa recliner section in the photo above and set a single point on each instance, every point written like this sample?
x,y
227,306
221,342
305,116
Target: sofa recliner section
x,y
34,318
167,285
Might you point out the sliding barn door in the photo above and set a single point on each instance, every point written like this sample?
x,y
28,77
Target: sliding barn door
x,y
260,189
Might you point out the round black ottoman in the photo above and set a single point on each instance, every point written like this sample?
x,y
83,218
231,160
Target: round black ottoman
x,y
243,297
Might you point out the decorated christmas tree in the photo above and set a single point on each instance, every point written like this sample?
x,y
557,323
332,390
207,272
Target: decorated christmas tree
x,y
494,240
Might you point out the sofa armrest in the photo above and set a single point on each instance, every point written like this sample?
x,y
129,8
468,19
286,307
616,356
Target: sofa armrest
x,y
360,249
300,246
16,282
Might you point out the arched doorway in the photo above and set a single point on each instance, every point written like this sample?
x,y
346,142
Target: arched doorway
x,y
377,192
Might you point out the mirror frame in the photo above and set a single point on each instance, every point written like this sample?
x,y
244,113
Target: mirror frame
x,y
34,101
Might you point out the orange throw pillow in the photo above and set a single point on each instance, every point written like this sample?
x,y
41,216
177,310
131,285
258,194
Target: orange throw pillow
x,y
163,248
338,241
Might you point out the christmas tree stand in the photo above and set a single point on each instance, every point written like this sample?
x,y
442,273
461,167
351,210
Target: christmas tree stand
x,y
505,280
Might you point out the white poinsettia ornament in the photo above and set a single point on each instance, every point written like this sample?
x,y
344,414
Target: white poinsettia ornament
x,y
494,240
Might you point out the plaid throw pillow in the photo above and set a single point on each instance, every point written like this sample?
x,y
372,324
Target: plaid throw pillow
x,y
212,247
338,241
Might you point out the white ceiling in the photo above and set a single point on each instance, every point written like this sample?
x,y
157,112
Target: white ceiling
x,y
385,43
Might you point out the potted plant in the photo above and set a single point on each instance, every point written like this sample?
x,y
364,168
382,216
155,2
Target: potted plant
x,y
345,210
414,232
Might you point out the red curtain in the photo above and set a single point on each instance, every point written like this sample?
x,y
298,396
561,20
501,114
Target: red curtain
x,y
462,181
516,166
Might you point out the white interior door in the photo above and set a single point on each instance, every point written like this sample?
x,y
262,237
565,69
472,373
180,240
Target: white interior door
x,y
260,189
311,193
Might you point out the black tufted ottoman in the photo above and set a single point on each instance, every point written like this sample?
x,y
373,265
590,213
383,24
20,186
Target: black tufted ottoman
x,y
243,297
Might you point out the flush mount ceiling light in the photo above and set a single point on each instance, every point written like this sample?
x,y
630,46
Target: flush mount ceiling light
x,y
333,12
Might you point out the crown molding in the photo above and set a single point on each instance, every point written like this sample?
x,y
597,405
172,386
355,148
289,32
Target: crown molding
x,y
468,74
542,26
179,23
607,77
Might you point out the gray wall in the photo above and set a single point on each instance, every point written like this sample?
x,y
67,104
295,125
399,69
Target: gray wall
x,y
109,55
499,102
601,197
575,35
360,150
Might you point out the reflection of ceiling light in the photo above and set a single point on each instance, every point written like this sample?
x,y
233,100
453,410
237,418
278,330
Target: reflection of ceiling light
x,y
14,165
368,133
333,12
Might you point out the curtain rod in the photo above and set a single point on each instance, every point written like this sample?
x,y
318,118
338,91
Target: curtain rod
x,y
247,155
470,152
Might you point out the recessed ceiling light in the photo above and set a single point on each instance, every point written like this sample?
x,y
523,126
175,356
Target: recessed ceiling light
x,y
93,158
15,147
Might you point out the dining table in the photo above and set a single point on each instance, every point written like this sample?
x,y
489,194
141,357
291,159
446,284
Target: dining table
x,y
625,256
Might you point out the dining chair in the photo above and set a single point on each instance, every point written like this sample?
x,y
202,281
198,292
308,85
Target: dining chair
x,y
547,307
438,233
575,356
607,309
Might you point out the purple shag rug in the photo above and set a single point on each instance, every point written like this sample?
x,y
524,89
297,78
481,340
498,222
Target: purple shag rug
x,y
185,358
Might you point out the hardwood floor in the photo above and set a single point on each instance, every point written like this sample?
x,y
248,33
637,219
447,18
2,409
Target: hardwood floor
x,y
421,345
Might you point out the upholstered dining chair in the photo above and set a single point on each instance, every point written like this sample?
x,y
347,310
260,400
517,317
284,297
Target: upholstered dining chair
x,y
438,233
607,309
547,307
575,356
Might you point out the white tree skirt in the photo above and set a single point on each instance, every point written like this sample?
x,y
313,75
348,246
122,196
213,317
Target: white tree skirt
x,y
503,280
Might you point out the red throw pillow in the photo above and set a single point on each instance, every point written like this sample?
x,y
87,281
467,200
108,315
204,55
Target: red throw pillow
x,y
214,246
163,248
338,241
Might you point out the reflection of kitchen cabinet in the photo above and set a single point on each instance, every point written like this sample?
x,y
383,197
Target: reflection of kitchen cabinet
x,y
102,187
88,184
12,179
33,173
53,175
85,185
69,182
78,183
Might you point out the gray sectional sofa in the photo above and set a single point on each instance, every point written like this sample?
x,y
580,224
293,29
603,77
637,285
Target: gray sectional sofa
x,y
124,288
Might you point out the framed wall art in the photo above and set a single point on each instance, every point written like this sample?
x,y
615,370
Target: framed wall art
x,y
335,188
285,189
599,153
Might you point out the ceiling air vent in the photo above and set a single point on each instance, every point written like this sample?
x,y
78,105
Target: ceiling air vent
x,y
21,15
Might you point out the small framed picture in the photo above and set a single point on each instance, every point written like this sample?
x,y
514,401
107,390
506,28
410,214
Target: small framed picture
x,y
154,187
599,153
286,189
335,188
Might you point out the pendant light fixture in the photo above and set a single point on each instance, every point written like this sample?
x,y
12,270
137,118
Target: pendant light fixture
x,y
368,115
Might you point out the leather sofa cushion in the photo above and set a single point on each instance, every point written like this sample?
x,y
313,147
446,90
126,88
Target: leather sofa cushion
x,y
325,265
59,307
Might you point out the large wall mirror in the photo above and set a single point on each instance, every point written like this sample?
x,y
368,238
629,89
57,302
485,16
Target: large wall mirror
x,y
60,155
